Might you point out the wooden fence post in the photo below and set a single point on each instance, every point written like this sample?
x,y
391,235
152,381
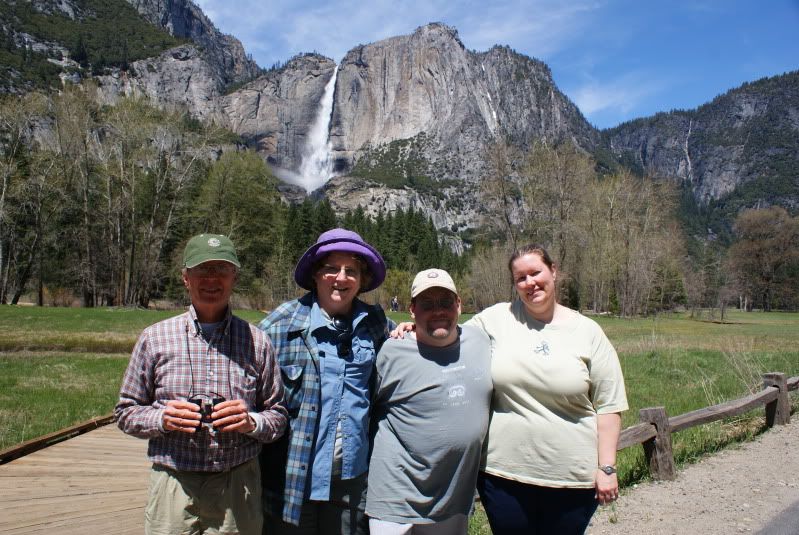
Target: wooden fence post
x,y
658,449
778,411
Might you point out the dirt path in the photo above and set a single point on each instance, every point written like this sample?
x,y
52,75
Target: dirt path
x,y
735,491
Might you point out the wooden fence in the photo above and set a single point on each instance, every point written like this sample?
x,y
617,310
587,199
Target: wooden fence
x,y
38,443
654,431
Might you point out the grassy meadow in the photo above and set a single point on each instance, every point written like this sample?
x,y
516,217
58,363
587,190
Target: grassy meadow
x,y
60,366
685,364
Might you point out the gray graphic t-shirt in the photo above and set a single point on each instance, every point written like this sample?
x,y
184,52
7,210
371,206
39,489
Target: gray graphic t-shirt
x,y
432,408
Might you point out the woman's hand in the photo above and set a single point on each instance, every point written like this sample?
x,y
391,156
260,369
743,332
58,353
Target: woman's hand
x,y
400,330
607,487
608,431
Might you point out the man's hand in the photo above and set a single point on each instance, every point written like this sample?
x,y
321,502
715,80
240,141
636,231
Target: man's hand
x,y
181,416
232,416
400,330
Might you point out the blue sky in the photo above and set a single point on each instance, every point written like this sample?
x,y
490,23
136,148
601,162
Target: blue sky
x,y
616,59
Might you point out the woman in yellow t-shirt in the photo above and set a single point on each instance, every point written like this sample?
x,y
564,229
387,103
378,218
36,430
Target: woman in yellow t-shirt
x,y
550,454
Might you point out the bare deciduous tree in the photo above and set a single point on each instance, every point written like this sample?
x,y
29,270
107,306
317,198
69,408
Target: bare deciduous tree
x,y
765,254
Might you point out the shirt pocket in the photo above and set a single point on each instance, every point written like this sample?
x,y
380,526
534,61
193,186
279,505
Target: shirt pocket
x,y
292,387
363,351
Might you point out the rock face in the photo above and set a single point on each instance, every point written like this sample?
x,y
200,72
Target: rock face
x,y
180,77
274,113
453,207
182,18
745,138
191,76
428,83
443,105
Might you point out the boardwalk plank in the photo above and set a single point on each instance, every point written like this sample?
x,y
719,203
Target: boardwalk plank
x,y
92,483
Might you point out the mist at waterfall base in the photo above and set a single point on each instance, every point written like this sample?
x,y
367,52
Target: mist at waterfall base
x,y
317,161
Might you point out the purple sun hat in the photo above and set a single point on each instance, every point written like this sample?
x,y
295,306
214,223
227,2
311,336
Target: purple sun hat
x,y
343,241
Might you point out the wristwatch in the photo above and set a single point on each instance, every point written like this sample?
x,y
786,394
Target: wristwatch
x,y
609,469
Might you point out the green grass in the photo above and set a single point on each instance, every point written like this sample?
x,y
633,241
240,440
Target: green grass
x,y
684,364
774,331
40,394
478,523
60,366
96,330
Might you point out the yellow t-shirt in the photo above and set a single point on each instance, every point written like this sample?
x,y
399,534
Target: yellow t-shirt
x,y
550,382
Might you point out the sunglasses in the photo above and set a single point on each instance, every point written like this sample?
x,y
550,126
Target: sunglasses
x,y
444,303
343,327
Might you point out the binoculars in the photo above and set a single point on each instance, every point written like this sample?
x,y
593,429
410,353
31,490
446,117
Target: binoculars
x,y
206,407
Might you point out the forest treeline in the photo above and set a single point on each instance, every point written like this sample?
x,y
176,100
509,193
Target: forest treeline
x,y
620,242
97,203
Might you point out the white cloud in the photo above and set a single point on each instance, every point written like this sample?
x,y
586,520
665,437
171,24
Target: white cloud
x,y
620,97
538,28
275,30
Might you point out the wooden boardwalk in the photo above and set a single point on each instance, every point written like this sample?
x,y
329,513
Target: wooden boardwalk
x,y
95,483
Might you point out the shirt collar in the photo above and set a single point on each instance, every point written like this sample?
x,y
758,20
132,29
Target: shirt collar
x,y
193,324
320,318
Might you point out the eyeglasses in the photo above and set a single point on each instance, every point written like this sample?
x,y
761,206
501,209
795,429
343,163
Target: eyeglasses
x,y
213,270
330,271
444,303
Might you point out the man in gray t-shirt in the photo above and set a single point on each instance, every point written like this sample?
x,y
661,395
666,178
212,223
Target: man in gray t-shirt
x,y
431,405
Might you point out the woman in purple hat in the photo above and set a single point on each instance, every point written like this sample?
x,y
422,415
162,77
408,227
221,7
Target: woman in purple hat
x,y
326,341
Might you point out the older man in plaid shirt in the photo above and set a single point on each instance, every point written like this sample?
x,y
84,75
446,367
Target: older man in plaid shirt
x,y
205,389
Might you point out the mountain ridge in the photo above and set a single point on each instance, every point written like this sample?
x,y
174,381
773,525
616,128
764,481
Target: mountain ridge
x,y
423,110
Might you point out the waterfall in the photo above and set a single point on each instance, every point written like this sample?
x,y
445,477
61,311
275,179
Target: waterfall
x,y
317,165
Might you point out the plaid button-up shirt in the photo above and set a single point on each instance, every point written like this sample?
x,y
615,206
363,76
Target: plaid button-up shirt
x,y
173,361
285,464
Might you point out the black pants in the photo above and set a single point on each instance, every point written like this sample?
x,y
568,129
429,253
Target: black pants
x,y
344,514
515,508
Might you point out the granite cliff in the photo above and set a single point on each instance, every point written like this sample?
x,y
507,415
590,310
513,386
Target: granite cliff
x,y
195,75
182,18
429,84
275,111
413,109
743,144
180,77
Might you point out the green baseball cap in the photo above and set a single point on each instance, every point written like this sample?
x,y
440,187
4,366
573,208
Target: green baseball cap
x,y
207,247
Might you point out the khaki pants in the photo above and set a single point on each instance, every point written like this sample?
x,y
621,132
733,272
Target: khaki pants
x,y
205,502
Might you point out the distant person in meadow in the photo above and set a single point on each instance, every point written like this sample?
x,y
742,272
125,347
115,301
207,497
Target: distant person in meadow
x,y
431,405
326,342
204,387
550,454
